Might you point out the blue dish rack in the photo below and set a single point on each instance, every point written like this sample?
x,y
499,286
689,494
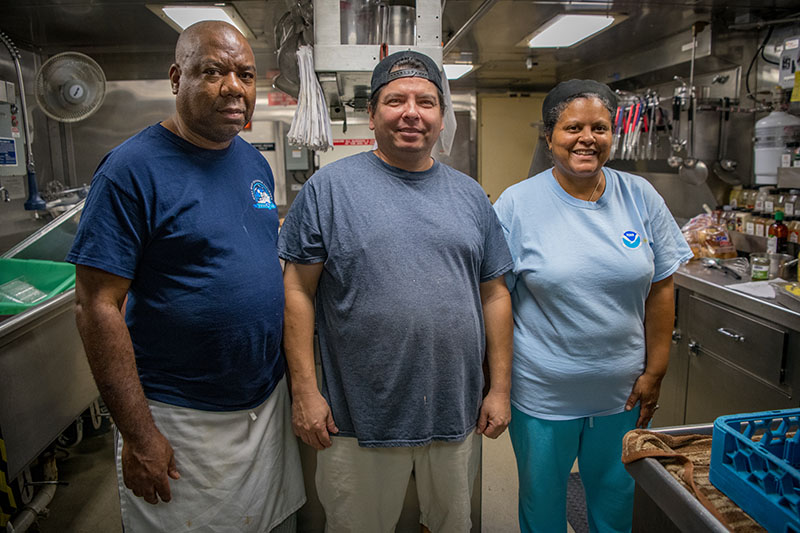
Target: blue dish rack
x,y
754,461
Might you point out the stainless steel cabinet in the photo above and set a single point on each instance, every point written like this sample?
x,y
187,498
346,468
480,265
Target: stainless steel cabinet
x,y
726,360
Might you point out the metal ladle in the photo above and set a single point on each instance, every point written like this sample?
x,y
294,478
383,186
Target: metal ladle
x,y
674,160
724,168
693,170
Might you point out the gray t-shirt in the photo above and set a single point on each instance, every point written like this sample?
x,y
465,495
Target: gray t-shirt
x,y
398,306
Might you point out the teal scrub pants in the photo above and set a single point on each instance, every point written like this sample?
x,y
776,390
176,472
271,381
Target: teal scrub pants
x,y
546,451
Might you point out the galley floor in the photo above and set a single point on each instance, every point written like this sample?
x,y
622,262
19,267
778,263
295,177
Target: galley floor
x,y
89,504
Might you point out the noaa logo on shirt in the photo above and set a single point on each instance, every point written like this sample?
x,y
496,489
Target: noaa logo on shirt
x,y
631,239
261,195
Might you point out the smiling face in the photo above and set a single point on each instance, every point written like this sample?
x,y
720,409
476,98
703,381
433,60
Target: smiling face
x,y
214,79
581,139
407,121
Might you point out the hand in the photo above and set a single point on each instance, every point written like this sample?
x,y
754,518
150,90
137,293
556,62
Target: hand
x,y
312,419
147,467
495,414
645,391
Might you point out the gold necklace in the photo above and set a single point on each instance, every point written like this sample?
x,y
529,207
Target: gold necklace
x,y
596,187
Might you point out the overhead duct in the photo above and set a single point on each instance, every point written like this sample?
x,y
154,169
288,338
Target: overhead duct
x,y
350,38
663,59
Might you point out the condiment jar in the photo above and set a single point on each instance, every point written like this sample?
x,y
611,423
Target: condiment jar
x,y
794,232
741,216
750,197
759,267
750,224
770,200
761,197
734,200
791,203
761,225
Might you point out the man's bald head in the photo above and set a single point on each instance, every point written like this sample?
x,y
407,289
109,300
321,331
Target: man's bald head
x,y
192,38
214,80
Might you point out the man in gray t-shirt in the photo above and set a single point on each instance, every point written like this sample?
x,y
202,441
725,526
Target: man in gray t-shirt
x,y
400,259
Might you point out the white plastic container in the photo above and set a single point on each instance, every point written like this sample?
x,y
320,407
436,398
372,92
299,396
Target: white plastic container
x,y
772,134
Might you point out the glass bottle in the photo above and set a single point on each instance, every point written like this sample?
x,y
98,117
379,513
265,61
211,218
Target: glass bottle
x,y
749,197
759,267
750,224
761,196
735,198
794,231
777,235
791,203
728,218
770,201
761,225
741,217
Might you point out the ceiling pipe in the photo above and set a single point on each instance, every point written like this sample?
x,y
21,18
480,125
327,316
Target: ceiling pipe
x,y
479,13
763,24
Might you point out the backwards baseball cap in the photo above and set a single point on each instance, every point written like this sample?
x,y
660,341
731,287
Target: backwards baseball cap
x,y
566,89
382,74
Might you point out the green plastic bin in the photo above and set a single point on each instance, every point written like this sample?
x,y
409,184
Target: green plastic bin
x,y
43,280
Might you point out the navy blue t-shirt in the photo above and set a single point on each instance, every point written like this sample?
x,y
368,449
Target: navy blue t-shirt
x,y
196,232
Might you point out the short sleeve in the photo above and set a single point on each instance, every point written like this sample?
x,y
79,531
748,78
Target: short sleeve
x,y
112,230
496,258
503,210
300,239
669,246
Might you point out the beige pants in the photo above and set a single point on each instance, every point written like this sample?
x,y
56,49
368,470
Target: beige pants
x,y
240,471
363,489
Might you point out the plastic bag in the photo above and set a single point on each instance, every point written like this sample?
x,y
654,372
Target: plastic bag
x,y
707,238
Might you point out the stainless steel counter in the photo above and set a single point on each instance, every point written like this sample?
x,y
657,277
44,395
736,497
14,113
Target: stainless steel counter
x,y
661,503
714,284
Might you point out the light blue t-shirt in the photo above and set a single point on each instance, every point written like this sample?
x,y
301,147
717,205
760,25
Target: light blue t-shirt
x,y
582,272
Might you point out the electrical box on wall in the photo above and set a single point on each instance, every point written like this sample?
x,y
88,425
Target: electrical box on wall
x,y
12,142
297,157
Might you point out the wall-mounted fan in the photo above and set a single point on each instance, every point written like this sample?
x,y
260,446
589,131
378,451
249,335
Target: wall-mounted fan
x,y
70,87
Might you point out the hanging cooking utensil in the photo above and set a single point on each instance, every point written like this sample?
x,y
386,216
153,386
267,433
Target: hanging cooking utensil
x,y
693,170
674,160
617,130
650,151
724,168
727,164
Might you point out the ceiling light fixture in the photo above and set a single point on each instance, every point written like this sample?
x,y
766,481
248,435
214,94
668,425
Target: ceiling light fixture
x,y
457,70
180,17
564,31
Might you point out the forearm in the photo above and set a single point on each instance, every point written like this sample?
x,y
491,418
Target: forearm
x,y
498,326
300,283
658,322
298,342
110,353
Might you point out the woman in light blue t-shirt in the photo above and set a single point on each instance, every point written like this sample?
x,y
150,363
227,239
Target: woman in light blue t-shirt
x,y
594,252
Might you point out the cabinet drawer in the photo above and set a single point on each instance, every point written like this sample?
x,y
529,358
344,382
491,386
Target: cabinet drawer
x,y
740,339
716,388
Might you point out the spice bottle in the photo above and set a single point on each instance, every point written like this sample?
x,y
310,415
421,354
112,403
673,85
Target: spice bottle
x,y
759,267
777,235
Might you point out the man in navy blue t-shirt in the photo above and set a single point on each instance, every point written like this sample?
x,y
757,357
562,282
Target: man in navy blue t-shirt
x,y
181,220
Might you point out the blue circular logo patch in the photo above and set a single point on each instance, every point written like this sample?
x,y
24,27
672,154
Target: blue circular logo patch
x,y
631,239
260,194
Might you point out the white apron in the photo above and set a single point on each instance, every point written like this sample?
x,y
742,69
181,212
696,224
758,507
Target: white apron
x,y
240,470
